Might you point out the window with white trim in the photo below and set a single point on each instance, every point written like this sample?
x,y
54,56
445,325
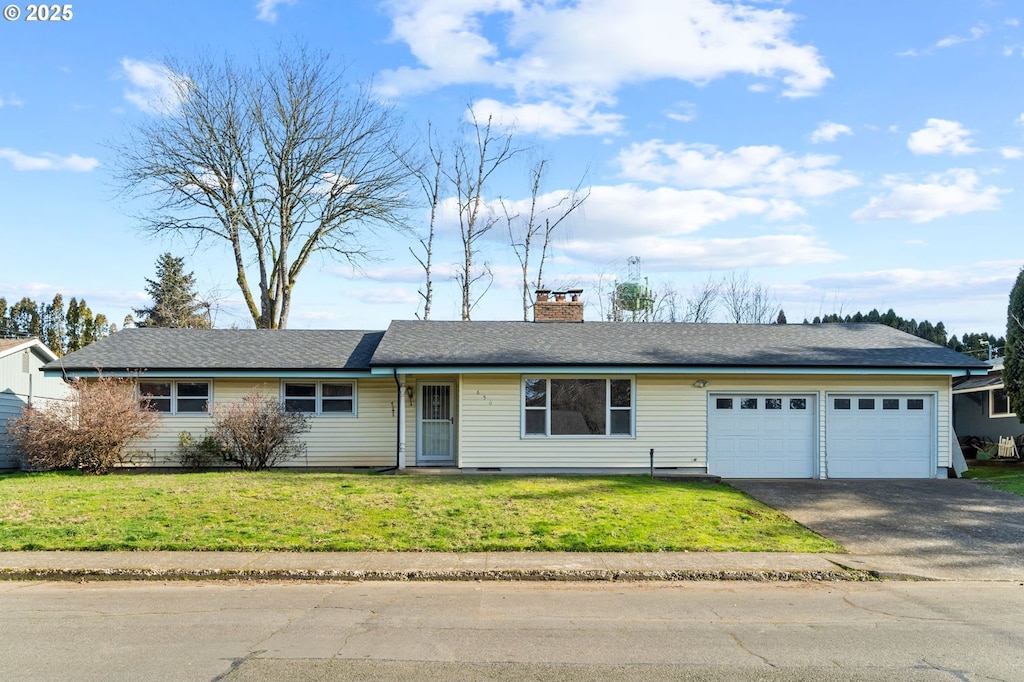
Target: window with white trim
x,y
577,407
320,397
1000,403
175,397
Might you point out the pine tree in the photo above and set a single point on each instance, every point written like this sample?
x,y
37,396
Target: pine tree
x,y
1013,365
175,301
54,325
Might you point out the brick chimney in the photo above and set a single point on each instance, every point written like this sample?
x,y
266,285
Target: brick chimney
x,y
558,310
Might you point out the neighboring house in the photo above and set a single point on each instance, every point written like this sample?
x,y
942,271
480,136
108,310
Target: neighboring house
x,y
21,384
981,408
557,395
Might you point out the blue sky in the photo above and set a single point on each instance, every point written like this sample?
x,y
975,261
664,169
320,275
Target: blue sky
x,y
848,155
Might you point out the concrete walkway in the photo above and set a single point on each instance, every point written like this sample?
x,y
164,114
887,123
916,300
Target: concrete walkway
x,y
425,566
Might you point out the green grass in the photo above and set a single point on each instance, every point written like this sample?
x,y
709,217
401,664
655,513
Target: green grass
x,y
1008,478
355,512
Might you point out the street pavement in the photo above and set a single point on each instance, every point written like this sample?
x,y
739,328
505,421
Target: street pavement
x,y
714,631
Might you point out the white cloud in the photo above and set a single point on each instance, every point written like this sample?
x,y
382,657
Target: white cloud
x,y
940,136
681,254
964,281
958,191
1011,152
157,90
585,52
975,33
549,118
754,170
47,161
828,131
684,112
266,10
613,212
10,100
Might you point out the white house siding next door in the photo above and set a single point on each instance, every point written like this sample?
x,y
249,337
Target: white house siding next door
x,y
761,435
880,436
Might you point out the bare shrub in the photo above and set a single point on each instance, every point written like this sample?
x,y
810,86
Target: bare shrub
x,y
91,431
256,434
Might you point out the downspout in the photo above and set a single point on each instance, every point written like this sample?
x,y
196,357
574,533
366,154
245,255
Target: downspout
x,y
398,419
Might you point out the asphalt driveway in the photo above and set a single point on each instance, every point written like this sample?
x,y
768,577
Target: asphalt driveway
x,y
942,529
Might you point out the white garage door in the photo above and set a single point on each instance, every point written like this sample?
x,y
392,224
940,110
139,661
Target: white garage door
x,y
761,436
880,436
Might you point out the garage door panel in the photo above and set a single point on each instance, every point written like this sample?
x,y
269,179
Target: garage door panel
x,y
761,436
880,436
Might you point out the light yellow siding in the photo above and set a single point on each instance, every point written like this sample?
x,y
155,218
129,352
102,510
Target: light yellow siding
x,y
365,440
670,413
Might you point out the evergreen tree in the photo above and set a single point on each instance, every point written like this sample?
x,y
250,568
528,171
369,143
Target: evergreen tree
x,y
1013,367
175,301
25,319
54,325
781,319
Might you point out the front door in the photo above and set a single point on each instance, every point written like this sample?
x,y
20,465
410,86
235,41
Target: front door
x,y
436,425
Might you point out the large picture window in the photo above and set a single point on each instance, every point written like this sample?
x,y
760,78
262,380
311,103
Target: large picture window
x,y
175,397
577,407
320,397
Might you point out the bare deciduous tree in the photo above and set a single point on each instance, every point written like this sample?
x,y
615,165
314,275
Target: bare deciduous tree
x,y
541,223
472,166
429,175
283,161
748,302
703,299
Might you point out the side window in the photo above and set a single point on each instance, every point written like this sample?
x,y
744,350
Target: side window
x,y
193,396
175,397
300,398
327,397
338,398
155,395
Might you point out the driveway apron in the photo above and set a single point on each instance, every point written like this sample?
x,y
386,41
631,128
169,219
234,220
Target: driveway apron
x,y
943,529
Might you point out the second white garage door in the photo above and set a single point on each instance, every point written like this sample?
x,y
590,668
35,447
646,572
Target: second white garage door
x,y
880,436
761,435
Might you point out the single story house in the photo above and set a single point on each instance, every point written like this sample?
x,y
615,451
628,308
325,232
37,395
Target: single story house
x,y
981,408
562,395
21,385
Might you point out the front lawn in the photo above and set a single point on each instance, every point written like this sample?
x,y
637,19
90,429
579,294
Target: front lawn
x,y
1005,477
363,512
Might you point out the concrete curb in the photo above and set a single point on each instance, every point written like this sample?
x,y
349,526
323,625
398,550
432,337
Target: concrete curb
x,y
430,566
542,575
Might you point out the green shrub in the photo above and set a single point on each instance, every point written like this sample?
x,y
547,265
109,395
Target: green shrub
x,y
199,454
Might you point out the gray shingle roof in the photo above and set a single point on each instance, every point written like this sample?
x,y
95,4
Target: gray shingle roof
x,y
225,349
467,344
422,343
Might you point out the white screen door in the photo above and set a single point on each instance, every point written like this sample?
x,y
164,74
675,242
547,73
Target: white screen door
x,y
436,426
